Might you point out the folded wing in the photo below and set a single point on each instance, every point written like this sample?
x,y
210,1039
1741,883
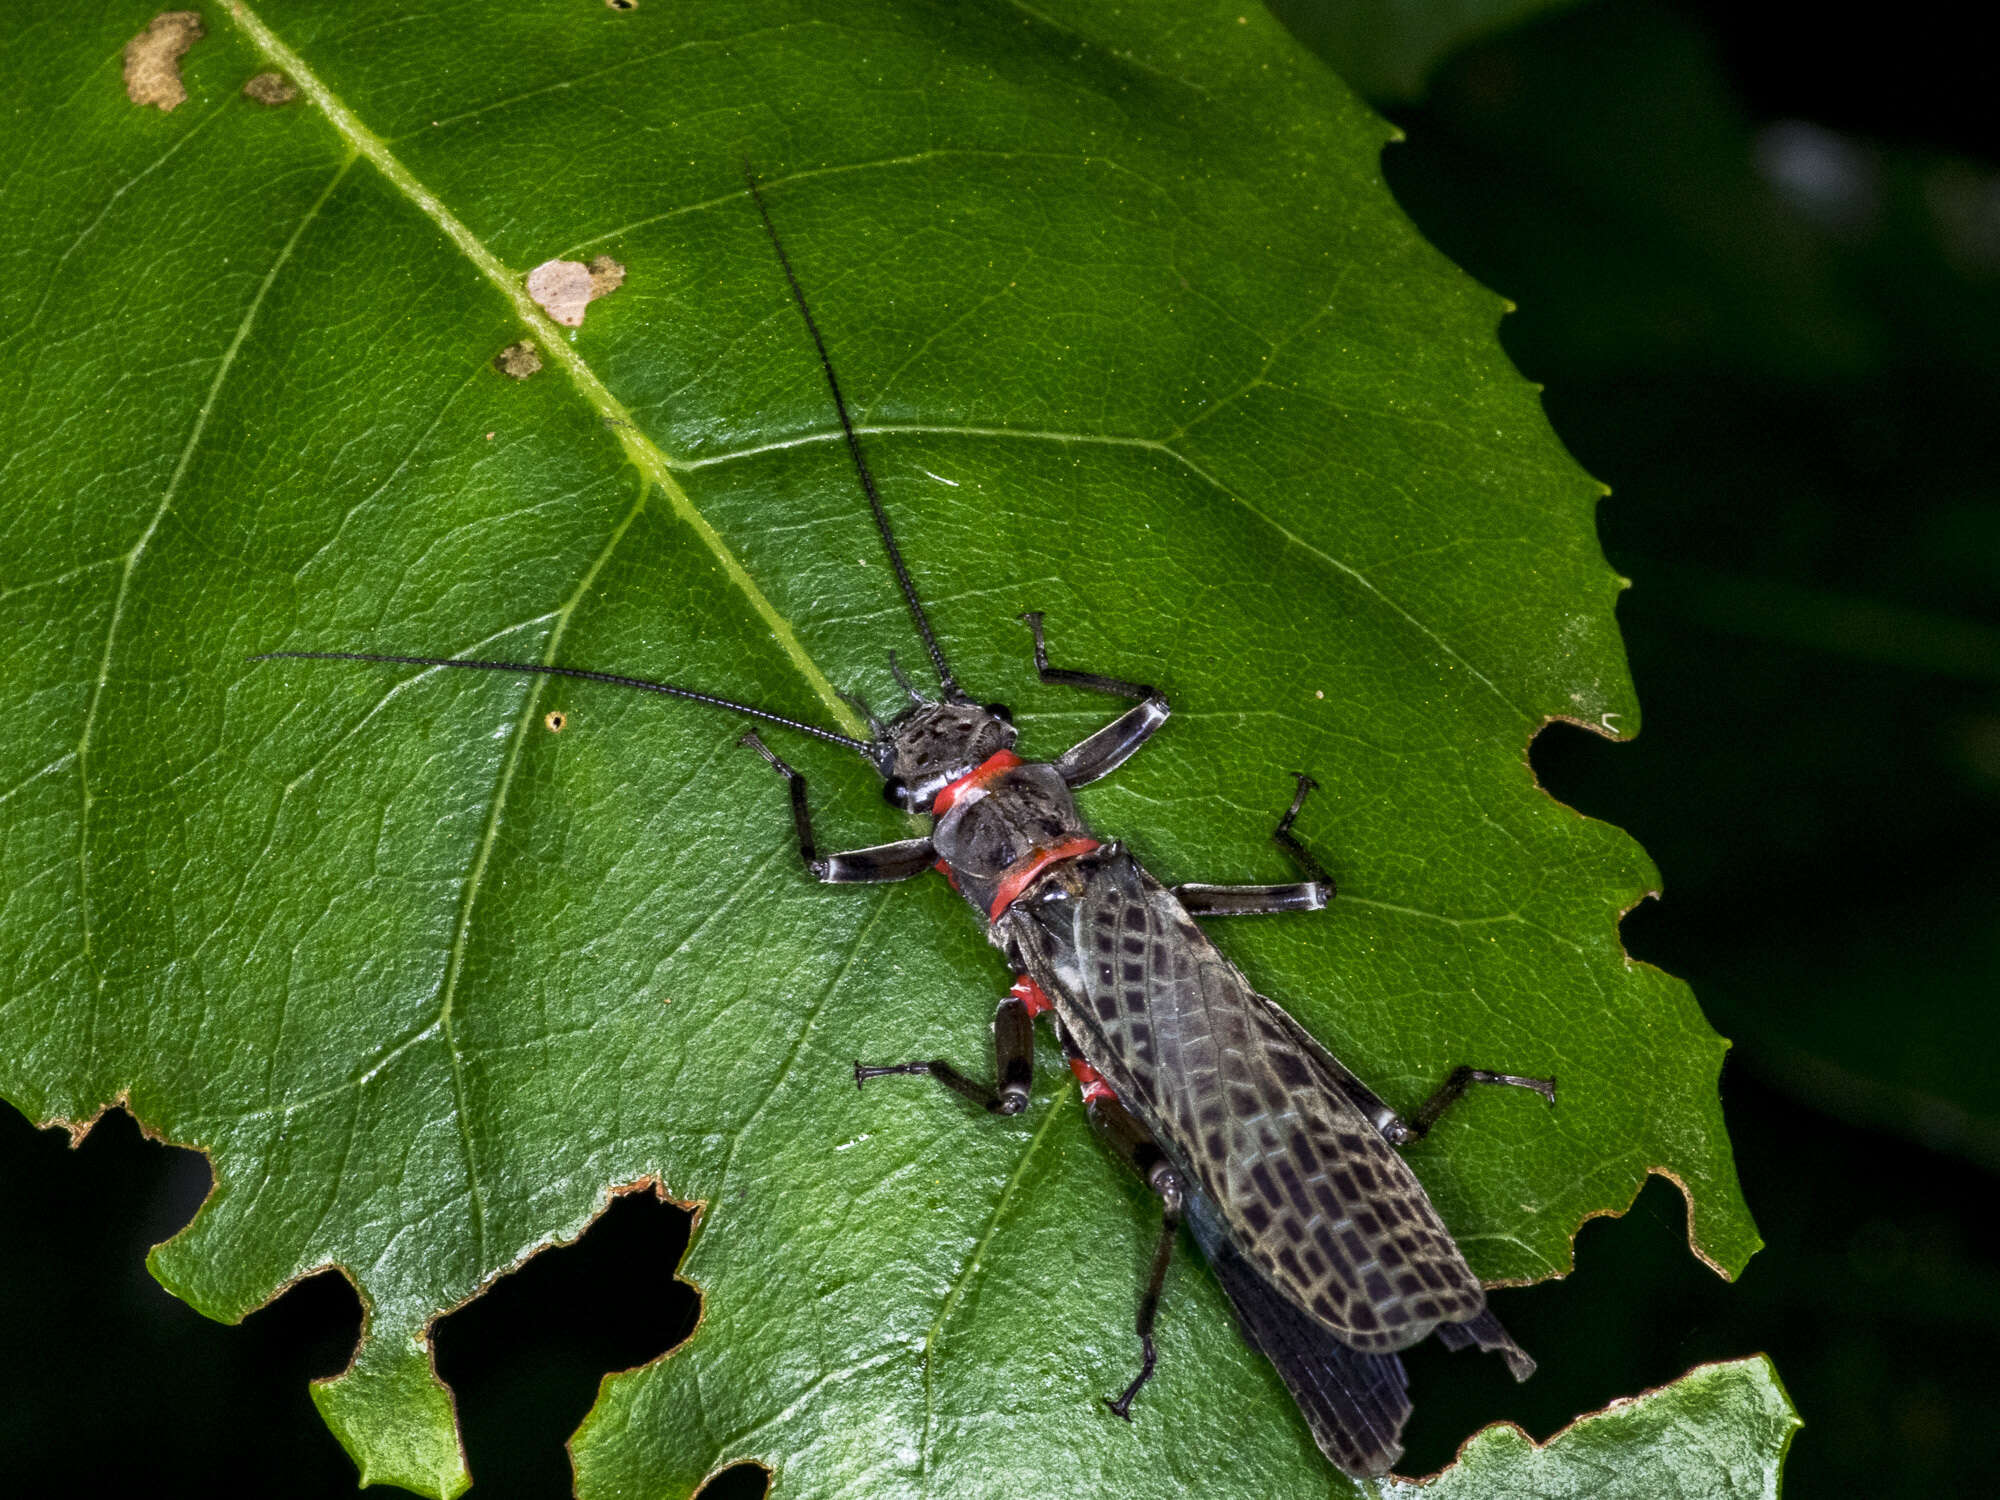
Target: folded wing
x,y
1316,1200
1355,1403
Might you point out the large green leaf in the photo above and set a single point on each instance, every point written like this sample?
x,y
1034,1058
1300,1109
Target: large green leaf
x,y
1137,338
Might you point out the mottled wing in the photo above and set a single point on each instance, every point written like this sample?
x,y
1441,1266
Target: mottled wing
x,y
1319,1203
1355,1403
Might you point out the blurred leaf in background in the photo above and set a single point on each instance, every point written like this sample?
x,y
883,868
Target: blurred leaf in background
x,y
1388,49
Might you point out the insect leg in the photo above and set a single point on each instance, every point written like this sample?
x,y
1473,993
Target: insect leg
x,y
1309,894
1402,1132
1113,745
1128,1138
1013,1064
1394,1128
898,861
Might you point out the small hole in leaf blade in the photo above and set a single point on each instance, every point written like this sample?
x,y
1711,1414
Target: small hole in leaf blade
x,y
737,1482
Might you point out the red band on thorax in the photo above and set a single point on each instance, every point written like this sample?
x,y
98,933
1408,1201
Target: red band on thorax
x,y
994,765
1022,873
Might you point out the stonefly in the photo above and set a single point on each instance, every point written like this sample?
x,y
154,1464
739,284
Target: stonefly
x,y
1276,1157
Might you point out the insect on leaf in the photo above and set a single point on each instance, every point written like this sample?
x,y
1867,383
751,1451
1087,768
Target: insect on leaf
x,y
1136,337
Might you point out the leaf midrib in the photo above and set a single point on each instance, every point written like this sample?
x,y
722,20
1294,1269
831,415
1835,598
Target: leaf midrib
x,y
640,449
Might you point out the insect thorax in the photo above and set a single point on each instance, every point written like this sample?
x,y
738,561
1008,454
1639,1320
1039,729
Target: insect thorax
x,y
992,828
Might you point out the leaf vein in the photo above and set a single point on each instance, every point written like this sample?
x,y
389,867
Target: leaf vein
x,y
104,212
972,1267
130,561
812,1016
1151,445
837,169
461,936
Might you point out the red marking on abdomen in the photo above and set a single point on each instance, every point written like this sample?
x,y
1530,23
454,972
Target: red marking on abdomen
x,y
943,867
996,764
1030,994
1022,872
1094,1086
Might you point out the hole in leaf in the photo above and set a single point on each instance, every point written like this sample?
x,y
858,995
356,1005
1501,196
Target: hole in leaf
x,y
737,1482
1895,1232
556,721
108,1377
1592,1340
525,1358
1581,769
1561,754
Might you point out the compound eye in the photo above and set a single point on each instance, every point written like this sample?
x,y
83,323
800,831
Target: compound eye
x,y
1001,712
896,793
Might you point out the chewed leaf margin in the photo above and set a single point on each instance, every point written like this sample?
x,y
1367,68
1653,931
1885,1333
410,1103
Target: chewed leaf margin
x,y
1719,1432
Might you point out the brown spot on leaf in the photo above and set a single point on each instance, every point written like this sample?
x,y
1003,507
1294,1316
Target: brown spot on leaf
x,y
564,288
153,59
517,361
556,721
606,276
270,88
622,4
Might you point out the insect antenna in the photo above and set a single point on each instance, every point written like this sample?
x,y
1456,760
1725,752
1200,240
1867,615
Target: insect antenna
x,y
531,669
951,687
917,699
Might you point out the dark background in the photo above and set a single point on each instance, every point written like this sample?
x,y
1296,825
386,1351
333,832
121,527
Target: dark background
x,y
1757,259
